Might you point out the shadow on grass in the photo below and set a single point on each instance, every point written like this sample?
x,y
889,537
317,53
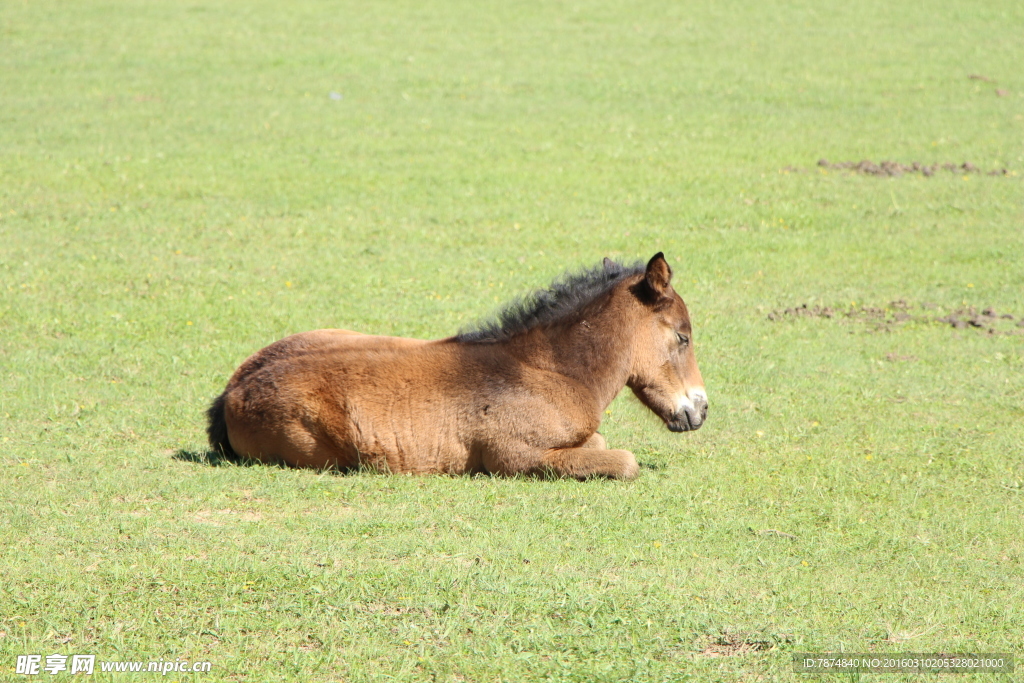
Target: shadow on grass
x,y
212,459
215,459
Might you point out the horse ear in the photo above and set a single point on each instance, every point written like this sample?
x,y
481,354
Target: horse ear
x,y
659,274
608,264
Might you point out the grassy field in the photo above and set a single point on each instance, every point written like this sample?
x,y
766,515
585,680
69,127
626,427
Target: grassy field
x,y
184,183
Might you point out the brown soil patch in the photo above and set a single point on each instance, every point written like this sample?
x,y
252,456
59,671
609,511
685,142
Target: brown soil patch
x,y
894,168
898,313
735,644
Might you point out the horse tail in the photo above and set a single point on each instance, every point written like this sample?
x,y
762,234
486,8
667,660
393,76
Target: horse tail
x,y
217,429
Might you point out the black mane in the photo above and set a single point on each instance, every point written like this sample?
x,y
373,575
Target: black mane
x,y
566,295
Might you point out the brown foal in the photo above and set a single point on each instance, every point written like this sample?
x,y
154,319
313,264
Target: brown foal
x,y
525,393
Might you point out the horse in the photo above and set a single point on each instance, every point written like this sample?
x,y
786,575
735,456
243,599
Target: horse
x,y
522,393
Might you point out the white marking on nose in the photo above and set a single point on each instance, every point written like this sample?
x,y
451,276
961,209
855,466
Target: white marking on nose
x,y
683,403
688,403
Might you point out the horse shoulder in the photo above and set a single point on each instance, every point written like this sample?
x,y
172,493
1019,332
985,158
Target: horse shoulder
x,y
510,399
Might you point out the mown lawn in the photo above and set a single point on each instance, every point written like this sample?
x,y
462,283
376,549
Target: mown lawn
x,y
184,183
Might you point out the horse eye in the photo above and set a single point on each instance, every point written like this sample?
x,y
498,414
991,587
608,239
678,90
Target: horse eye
x,y
682,339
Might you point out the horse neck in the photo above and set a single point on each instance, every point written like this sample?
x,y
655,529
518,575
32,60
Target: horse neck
x,y
591,349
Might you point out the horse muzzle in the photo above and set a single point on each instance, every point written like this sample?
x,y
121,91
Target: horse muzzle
x,y
690,416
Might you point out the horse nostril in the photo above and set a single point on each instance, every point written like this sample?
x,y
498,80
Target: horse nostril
x,y
704,412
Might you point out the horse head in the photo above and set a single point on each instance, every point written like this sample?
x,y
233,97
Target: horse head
x,y
664,374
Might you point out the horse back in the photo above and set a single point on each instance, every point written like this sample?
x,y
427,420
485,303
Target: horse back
x,y
317,342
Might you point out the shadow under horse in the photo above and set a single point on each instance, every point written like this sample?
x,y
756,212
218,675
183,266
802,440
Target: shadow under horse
x,y
521,394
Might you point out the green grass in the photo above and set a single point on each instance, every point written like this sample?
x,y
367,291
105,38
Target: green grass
x,y
178,189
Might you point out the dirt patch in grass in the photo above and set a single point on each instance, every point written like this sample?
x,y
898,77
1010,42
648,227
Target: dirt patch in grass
x,y
898,313
736,644
894,168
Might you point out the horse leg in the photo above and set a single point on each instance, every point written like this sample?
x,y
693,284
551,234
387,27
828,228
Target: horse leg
x,y
589,459
584,463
